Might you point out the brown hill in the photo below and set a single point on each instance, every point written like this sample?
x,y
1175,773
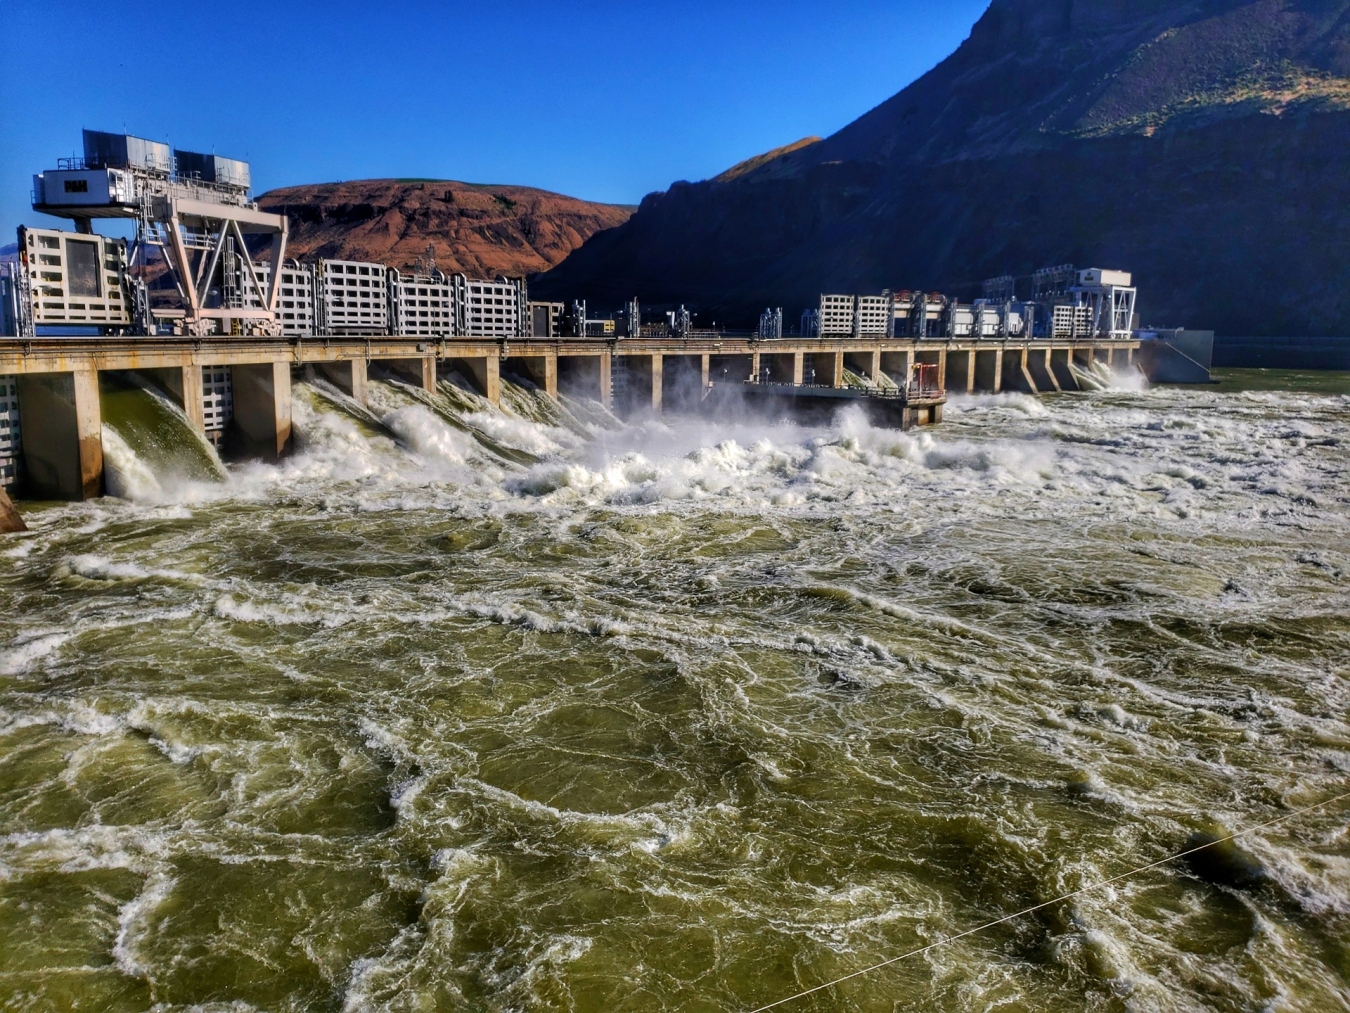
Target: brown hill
x,y
751,164
482,230
1199,144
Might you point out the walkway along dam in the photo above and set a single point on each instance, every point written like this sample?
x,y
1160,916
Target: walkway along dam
x,y
241,386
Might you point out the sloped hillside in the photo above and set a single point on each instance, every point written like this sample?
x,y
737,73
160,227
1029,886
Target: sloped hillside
x,y
1199,144
482,230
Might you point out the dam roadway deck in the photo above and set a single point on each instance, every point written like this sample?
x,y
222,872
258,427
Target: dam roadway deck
x,y
57,378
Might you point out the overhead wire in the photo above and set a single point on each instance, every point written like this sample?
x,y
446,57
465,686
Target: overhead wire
x,y
1049,903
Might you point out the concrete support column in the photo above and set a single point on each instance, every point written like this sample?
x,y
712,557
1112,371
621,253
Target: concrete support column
x,y
942,368
754,366
348,376
486,373
191,397
874,370
896,366
998,370
798,359
492,378
551,373
706,379
606,379
184,383
829,368
1028,378
420,372
970,372
657,365
262,407
1049,373
89,427
62,434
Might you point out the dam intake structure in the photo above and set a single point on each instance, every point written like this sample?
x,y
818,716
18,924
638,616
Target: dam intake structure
x,y
235,393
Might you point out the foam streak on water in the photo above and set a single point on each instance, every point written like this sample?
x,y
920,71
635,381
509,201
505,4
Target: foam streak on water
x,y
460,708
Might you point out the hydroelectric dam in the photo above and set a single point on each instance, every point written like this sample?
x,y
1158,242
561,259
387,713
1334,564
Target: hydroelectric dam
x,y
241,386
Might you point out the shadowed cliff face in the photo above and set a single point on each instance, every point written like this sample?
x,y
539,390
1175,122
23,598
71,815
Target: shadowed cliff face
x,y
1197,144
481,230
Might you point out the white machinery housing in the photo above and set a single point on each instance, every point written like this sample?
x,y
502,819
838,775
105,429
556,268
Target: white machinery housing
x,y
199,216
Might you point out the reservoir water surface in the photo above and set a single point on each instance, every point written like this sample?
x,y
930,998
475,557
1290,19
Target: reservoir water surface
x,y
461,708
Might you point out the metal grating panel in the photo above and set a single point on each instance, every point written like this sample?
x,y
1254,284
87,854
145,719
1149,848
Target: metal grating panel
x,y
11,441
217,400
422,306
75,278
354,299
493,309
836,314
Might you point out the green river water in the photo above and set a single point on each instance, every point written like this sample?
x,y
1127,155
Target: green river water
x,y
460,708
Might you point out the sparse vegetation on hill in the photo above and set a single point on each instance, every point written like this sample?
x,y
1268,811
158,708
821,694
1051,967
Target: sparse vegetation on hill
x,y
483,230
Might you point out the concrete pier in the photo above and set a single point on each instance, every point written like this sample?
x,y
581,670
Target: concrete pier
x,y
262,407
57,377
62,428
419,371
347,375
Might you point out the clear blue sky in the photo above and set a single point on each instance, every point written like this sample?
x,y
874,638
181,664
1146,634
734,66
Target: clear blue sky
x,y
603,100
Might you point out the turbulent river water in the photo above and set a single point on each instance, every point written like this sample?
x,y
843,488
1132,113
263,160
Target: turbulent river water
x,y
469,709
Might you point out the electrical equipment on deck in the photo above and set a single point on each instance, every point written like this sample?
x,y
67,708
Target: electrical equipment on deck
x,y
771,323
198,215
547,319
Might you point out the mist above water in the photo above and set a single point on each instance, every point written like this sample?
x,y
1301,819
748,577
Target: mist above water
x,y
529,708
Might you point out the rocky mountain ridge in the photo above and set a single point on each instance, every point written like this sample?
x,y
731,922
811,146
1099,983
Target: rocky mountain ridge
x,y
1198,144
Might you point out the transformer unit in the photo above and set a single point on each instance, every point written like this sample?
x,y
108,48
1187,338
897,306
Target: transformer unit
x,y
962,321
69,278
999,319
771,324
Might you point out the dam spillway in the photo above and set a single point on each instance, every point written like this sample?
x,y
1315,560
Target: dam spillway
x,y
57,379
